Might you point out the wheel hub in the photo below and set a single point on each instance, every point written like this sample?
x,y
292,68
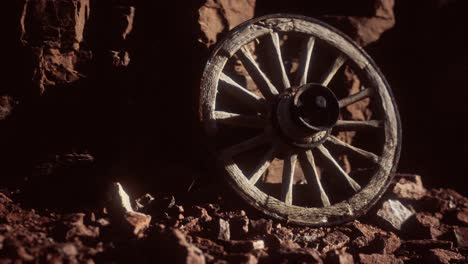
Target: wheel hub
x,y
306,114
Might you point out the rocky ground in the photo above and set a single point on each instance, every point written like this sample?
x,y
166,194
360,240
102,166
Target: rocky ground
x,y
409,225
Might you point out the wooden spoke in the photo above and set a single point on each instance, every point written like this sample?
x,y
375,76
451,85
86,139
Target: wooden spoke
x,y
310,172
347,125
289,167
305,61
263,165
334,167
233,119
351,150
364,93
332,194
246,145
278,61
339,61
242,94
260,79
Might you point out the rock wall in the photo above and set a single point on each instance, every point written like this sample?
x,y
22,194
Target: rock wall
x,y
55,32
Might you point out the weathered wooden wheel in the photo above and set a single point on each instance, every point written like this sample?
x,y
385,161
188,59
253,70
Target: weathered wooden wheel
x,y
290,119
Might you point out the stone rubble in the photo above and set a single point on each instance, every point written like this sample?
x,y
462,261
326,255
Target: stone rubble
x,y
214,233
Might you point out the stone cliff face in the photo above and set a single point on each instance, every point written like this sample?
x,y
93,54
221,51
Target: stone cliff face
x,y
218,16
76,53
55,34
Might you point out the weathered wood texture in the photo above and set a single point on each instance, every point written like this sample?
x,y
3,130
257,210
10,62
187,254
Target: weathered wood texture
x,y
376,86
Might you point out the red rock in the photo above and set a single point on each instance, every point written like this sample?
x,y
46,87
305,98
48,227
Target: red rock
x,y
335,240
54,31
462,216
239,227
136,222
244,245
72,225
6,106
209,246
409,187
339,257
442,200
122,216
14,249
444,256
297,255
201,213
386,244
181,250
379,258
421,246
216,17
393,214
261,226
461,236
423,226
289,244
242,258
144,201
273,242
366,233
367,29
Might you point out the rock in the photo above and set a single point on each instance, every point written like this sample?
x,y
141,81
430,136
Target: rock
x,y
296,255
421,246
55,30
442,201
103,222
273,242
72,226
161,205
368,29
239,227
409,186
202,214
6,106
364,234
244,245
15,249
70,250
422,226
119,201
261,226
311,238
222,229
444,256
122,215
144,201
136,223
173,245
242,258
462,217
393,214
339,257
217,16
379,258
335,240
461,236
386,244
119,59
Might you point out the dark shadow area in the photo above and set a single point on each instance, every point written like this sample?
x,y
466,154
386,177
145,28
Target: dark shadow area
x,y
141,123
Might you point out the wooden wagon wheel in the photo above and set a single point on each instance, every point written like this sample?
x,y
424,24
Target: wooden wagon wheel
x,y
291,119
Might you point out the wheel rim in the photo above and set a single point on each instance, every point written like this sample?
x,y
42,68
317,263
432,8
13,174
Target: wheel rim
x,y
279,134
